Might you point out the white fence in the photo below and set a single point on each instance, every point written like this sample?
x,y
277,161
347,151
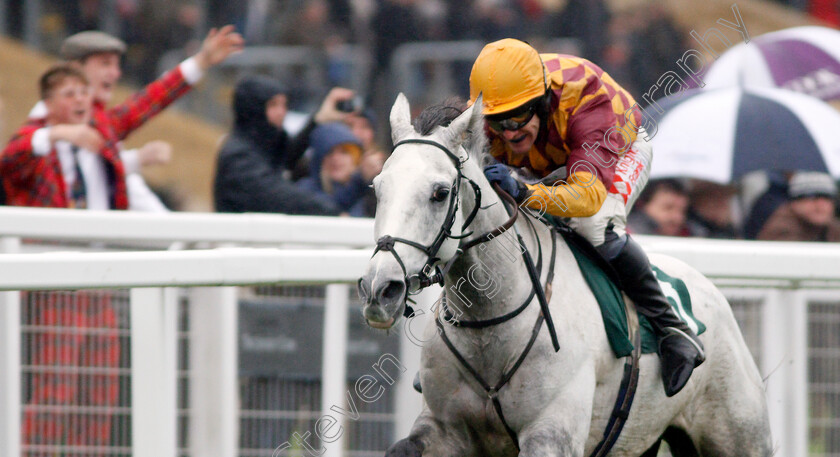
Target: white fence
x,y
785,296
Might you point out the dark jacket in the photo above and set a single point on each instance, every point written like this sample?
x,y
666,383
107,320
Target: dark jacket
x,y
766,205
699,226
252,163
785,225
347,196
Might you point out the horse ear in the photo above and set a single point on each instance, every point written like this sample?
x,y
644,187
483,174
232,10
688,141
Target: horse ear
x,y
464,125
400,119
476,117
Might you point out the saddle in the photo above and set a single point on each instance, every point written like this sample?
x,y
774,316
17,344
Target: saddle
x,y
606,286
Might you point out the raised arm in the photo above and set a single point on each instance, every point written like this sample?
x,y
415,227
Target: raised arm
x,y
327,112
131,114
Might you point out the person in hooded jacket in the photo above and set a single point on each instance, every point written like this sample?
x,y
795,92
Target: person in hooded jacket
x,y
334,171
251,172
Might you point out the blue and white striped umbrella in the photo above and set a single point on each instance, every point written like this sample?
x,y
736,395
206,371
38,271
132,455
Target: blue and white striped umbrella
x,y
721,135
802,59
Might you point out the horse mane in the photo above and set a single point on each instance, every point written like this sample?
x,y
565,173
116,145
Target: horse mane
x,y
441,115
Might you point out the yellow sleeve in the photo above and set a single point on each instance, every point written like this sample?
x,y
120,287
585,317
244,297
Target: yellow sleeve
x,y
581,196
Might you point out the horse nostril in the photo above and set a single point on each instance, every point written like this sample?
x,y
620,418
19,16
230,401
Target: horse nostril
x,y
391,293
361,289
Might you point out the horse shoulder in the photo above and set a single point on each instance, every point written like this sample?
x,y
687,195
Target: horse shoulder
x,y
578,311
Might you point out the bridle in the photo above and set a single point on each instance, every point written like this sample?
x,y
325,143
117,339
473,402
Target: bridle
x,y
431,273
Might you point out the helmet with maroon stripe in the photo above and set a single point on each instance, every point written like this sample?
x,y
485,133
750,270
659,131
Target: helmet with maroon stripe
x,y
508,73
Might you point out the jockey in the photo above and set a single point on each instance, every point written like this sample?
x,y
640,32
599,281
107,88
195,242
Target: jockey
x,y
565,121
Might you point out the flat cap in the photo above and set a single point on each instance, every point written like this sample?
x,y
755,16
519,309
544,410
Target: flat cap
x,y
90,42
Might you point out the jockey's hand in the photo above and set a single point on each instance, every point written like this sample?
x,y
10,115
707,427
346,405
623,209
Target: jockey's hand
x,y
218,45
499,173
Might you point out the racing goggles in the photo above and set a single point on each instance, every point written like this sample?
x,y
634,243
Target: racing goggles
x,y
512,121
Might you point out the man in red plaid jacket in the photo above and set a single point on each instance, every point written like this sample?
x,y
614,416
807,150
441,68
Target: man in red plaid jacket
x,y
31,174
80,330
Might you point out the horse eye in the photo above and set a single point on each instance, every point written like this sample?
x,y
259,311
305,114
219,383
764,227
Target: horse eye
x,y
440,194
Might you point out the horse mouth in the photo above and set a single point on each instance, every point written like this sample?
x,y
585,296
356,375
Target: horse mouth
x,y
382,325
379,317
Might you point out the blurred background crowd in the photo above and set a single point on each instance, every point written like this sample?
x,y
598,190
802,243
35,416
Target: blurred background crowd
x,y
314,56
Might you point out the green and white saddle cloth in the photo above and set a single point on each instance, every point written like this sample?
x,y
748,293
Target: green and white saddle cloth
x,y
612,305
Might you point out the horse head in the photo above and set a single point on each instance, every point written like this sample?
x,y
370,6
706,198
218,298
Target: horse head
x,y
425,198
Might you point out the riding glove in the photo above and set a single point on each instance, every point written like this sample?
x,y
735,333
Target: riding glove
x,y
499,173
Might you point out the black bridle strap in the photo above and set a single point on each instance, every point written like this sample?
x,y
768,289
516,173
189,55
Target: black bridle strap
x,y
458,163
500,229
493,392
476,207
534,275
429,274
435,144
550,277
386,242
535,279
447,315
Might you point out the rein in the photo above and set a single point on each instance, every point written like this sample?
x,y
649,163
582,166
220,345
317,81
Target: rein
x,y
533,274
430,273
447,314
498,230
493,392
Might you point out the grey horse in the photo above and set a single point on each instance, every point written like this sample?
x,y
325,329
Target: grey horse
x,y
556,403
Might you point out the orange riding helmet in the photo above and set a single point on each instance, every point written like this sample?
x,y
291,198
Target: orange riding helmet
x,y
509,73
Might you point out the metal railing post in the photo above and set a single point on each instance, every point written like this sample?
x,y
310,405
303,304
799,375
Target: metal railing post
x,y
775,358
109,21
32,12
334,361
10,387
213,381
798,388
154,372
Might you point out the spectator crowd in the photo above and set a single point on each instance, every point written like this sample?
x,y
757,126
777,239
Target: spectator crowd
x,y
259,158
325,167
69,154
764,205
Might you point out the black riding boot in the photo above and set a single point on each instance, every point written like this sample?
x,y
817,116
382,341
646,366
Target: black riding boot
x,y
680,351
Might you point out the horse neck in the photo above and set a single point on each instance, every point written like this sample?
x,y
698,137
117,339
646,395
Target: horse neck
x,y
490,279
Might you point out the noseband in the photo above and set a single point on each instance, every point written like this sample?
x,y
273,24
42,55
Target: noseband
x,y
431,273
